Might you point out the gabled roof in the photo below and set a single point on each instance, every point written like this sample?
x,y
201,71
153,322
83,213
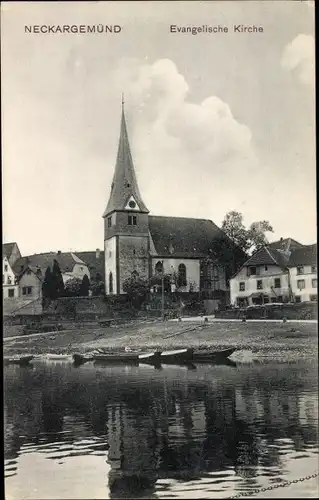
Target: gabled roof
x,y
95,265
66,261
124,185
305,256
7,249
267,256
184,237
280,244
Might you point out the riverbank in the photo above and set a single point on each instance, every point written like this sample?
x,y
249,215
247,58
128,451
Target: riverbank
x,y
259,338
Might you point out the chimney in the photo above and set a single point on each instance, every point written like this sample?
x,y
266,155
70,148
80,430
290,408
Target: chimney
x,y
97,253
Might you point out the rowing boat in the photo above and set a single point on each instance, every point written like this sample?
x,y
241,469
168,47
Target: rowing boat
x,y
179,356
208,356
18,360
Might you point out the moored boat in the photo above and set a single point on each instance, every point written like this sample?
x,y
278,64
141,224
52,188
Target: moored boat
x,y
150,357
179,356
123,357
209,356
18,360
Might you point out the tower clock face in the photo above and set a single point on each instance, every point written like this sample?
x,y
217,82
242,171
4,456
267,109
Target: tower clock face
x,y
132,204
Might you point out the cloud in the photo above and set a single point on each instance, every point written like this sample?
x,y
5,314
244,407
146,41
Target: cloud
x,y
200,147
299,56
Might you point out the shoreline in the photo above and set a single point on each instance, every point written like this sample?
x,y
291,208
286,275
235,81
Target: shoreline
x,y
261,338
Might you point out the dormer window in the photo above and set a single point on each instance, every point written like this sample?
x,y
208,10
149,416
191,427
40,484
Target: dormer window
x,y
109,221
300,270
132,220
6,268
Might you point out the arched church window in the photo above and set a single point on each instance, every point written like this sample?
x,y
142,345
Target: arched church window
x,y
182,276
159,267
110,282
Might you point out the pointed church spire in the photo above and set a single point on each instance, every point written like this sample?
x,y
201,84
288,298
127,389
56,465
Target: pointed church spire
x,y
124,186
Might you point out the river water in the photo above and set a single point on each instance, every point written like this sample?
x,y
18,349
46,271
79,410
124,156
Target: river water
x,y
120,432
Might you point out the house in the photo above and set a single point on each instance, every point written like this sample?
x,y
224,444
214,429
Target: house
x,y
303,273
10,254
277,272
95,263
193,251
30,270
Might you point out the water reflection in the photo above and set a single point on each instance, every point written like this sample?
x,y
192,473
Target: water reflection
x,y
144,432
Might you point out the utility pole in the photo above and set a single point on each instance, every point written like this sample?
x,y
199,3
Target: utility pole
x,y
163,296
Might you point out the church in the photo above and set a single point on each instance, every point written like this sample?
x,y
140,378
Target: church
x,y
140,244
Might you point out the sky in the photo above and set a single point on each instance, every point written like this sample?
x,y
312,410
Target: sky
x,y
216,122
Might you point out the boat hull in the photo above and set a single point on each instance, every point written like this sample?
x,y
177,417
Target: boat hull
x,y
206,356
181,356
22,361
127,358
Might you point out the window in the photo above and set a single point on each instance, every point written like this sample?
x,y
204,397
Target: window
x,y
3,279
242,286
132,220
134,252
313,298
301,284
313,269
11,292
314,283
259,284
182,277
109,221
5,268
266,268
110,254
300,270
81,268
159,269
279,298
253,271
27,290
110,282
28,272
277,283
297,298
9,280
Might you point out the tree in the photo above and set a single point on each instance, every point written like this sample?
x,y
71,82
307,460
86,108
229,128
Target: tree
x,y
248,239
137,290
73,287
57,281
85,286
256,234
47,284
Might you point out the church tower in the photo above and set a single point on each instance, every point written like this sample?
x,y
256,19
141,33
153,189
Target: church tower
x,y
126,229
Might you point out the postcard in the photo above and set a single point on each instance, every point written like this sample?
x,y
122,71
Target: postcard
x,y
159,249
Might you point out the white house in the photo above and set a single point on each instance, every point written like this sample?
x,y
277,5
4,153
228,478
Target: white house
x,y
303,273
30,270
10,254
284,271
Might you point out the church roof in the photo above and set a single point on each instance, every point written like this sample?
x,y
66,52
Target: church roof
x,y
181,237
124,184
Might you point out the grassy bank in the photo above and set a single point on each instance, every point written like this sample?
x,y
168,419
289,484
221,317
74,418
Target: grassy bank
x,y
260,338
